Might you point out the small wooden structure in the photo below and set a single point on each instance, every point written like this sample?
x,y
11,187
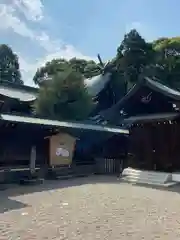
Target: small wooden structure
x,y
61,149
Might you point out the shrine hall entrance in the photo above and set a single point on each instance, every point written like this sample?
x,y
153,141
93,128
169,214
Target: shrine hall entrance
x,y
155,146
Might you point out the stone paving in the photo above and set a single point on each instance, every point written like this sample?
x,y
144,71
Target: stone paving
x,y
89,208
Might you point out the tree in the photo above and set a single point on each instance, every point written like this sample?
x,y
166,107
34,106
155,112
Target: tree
x,y
51,69
133,54
168,46
86,68
9,66
167,68
65,98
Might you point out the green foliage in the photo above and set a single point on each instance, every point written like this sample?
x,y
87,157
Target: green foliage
x,y
9,66
168,61
133,54
135,58
159,60
65,97
86,68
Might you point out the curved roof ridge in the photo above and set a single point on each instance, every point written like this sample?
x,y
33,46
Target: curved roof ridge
x,y
162,88
97,83
154,85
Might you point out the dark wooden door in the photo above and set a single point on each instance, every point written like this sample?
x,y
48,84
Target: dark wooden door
x,y
155,138
141,147
161,144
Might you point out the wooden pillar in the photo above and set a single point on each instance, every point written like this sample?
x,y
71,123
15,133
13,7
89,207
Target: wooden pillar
x,y
32,164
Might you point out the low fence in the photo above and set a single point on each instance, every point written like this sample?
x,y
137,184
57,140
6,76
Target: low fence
x,y
108,166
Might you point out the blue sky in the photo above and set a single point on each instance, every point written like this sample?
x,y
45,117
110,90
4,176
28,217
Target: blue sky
x,y
40,30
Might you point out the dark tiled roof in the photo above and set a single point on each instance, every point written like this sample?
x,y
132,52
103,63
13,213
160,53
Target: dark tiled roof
x,y
109,114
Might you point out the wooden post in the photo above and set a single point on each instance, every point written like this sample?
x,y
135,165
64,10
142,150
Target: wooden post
x,y
33,160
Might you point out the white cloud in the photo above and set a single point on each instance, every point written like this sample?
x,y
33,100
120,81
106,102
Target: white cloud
x,y
28,69
33,11
67,52
46,42
9,20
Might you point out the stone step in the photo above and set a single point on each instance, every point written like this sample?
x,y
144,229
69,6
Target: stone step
x,y
145,181
128,171
137,178
150,177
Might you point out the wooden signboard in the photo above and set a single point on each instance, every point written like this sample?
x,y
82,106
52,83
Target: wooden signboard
x,y
61,149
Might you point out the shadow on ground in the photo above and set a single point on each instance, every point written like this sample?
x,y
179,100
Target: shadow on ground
x,y
174,188
16,190
8,204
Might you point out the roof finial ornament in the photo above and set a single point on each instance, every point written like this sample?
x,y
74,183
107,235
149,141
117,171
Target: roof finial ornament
x,y
103,67
100,60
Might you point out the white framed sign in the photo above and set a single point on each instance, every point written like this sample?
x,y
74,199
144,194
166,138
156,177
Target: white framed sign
x,y
60,151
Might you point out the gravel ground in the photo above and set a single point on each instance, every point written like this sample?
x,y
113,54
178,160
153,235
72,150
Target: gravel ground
x,y
89,208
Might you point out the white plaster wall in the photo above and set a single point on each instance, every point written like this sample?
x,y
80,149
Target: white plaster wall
x,y
176,177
